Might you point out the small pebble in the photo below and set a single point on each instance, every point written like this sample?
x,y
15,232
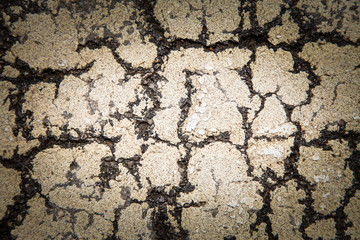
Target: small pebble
x,y
316,156
127,114
152,85
201,132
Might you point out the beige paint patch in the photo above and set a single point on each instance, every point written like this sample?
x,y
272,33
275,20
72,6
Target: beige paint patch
x,y
271,154
7,120
272,120
337,97
73,197
217,170
134,47
210,103
72,101
10,72
167,131
225,192
216,97
260,233
272,74
6,19
352,210
53,42
287,212
129,144
40,224
47,166
267,10
53,5
247,21
9,143
95,96
322,228
127,183
10,180
9,57
47,43
217,223
138,53
108,91
331,59
133,222
90,226
222,17
159,164
327,170
39,99
16,9
116,18
234,58
213,92
52,168
188,13
287,32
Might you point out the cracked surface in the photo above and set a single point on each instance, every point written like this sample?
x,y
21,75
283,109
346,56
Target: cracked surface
x,y
180,120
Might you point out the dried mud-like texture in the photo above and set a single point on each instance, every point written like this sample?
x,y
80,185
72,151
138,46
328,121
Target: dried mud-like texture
x,y
220,18
287,32
227,195
353,213
179,120
288,211
189,13
9,188
324,229
336,98
327,171
272,72
268,10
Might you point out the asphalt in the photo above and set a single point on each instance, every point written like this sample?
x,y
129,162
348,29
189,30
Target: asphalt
x,y
180,119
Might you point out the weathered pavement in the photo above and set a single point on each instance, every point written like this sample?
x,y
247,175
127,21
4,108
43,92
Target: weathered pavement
x,y
180,119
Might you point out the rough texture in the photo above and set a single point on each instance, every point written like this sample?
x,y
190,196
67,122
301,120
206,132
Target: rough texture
x,y
179,119
287,32
226,194
333,16
326,170
9,189
287,214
